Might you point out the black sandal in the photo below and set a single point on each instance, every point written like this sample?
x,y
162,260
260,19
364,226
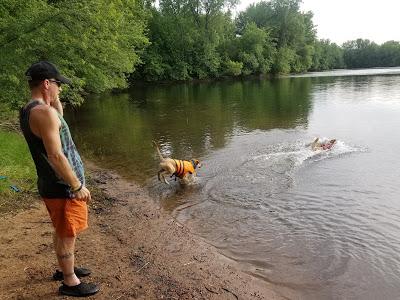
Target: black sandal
x,y
81,290
79,272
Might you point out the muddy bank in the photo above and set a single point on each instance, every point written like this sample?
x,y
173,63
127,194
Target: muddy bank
x,y
135,250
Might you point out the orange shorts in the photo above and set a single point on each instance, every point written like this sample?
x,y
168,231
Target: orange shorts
x,y
69,216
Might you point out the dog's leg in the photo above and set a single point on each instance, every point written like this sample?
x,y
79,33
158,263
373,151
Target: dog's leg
x,y
193,177
188,179
161,174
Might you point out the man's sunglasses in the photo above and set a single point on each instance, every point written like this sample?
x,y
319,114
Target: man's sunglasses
x,y
56,82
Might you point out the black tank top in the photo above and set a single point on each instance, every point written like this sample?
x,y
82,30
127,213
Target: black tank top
x,y
49,184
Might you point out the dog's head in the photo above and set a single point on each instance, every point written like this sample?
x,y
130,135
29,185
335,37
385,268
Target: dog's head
x,y
196,163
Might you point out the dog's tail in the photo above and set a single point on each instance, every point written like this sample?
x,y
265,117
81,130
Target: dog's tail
x,y
158,151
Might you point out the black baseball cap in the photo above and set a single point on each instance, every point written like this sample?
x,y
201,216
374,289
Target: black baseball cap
x,y
45,70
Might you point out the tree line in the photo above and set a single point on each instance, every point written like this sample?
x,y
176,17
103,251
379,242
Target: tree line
x,y
106,44
366,54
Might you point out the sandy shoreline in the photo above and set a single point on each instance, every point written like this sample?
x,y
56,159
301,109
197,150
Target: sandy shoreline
x,y
135,250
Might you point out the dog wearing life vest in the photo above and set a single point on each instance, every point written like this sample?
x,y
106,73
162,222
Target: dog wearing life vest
x,y
185,170
322,144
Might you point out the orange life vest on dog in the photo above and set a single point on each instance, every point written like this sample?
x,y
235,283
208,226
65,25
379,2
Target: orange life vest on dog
x,y
183,167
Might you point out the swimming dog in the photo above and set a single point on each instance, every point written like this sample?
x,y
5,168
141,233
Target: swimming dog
x,y
322,144
182,169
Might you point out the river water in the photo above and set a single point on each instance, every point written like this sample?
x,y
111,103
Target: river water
x,y
317,225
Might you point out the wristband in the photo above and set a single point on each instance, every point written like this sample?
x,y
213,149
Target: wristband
x,y
78,189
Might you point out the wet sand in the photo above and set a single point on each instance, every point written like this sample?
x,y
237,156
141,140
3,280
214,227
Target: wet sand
x,y
134,249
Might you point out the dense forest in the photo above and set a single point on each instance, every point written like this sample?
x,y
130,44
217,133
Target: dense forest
x,y
106,44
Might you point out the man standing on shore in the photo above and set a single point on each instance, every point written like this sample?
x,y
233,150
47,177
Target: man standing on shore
x,y
61,181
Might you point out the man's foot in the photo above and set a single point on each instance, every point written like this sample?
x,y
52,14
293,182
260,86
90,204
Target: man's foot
x,y
81,290
79,272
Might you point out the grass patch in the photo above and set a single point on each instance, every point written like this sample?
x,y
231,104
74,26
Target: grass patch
x,y
6,114
17,166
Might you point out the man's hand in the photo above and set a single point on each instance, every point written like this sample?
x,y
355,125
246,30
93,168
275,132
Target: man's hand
x,y
83,194
57,105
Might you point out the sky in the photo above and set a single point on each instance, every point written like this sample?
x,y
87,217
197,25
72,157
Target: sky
x,y
343,20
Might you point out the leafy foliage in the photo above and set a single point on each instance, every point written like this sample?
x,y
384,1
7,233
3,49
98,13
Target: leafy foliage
x,y
95,42
102,44
366,54
292,32
327,56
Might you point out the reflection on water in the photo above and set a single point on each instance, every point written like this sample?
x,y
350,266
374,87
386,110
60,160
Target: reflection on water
x,y
186,119
317,225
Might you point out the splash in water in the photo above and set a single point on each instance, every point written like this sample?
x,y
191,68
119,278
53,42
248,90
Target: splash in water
x,y
301,153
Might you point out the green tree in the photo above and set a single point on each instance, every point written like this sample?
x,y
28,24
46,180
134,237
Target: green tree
x,y
389,54
291,31
361,53
188,40
327,56
95,42
255,50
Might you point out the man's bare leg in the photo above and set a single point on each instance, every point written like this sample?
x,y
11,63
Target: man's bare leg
x,y
65,248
